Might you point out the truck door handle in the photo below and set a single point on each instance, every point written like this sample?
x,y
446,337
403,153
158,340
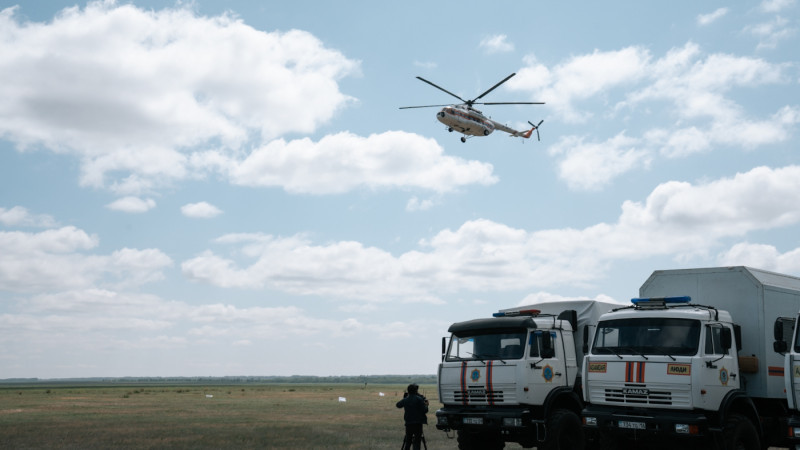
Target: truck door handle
x,y
558,374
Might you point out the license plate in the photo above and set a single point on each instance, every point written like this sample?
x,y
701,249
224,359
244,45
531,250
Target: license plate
x,y
632,425
473,420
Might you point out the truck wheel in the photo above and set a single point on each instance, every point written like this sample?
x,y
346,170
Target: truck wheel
x,y
476,441
740,434
564,431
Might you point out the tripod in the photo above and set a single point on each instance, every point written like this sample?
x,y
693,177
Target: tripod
x,y
406,441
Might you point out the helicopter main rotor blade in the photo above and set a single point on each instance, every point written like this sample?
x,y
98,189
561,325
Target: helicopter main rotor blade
x,y
493,87
510,103
424,106
442,89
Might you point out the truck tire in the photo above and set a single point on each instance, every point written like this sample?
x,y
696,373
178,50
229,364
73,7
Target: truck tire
x,y
740,434
477,441
564,431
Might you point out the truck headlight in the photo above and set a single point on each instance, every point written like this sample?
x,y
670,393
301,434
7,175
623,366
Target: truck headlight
x,y
441,420
682,428
591,421
512,422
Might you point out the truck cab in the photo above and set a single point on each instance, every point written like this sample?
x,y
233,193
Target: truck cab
x,y
661,368
515,377
787,343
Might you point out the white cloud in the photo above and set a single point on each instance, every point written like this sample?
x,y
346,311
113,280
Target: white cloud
x,y
132,205
691,88
343,162
707,19
762,256
201,210
770,34
416,204
497,43
580,78
677,220
773,6
131,91
57,260
19,216
592,165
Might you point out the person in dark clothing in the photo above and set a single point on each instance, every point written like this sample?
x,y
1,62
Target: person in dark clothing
x,y
415,406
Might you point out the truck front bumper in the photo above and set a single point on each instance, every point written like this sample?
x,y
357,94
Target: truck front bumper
x,y
458,418
645,424
792,425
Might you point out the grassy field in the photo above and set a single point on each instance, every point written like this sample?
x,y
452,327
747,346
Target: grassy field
x,y
237,416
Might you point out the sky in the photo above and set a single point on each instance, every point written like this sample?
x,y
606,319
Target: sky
x,y
221,188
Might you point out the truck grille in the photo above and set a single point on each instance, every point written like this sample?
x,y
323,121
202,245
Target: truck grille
x,y
650,397
653,395
478,396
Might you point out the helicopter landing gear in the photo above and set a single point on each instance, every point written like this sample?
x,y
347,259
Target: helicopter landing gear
x,y
463,139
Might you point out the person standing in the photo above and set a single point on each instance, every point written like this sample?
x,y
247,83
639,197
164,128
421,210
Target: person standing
x,y
415,406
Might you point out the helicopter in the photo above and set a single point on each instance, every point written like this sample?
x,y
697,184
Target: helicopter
x,y
469,121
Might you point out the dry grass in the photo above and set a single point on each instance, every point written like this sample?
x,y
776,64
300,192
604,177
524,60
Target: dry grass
x,y
241,416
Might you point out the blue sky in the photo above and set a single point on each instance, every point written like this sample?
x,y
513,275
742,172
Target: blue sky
x,y
229,188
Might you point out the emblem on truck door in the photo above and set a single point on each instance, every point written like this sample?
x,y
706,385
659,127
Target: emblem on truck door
x,y
723,376
475,375
547,373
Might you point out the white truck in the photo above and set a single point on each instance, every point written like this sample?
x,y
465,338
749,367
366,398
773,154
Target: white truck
x,y
515,377
787,343
692,361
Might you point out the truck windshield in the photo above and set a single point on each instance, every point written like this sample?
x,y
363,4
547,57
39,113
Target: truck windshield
x,y
647,336
487,345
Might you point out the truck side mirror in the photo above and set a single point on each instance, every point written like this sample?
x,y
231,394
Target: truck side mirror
x,y
547,346
780,346
586,339
777,329
444,347
726,339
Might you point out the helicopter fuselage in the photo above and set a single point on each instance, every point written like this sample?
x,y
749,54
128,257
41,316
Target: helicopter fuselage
x,y
466,120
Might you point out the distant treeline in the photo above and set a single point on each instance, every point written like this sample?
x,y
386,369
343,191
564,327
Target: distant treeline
x,y
294,379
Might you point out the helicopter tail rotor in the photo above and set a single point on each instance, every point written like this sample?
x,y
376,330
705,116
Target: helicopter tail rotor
x,y
535,127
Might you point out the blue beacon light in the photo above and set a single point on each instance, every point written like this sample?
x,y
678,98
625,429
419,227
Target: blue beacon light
x,y
666,300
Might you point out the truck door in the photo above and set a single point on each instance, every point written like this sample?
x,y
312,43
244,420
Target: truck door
x,y
546,362
719,373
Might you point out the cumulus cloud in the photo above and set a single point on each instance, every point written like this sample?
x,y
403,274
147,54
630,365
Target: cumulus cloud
x,y
771,33
200,210
592,165
132,204
131,91
678,219
763,256
774,6
693,88
19,216
707,19
497,43
342,162
58,259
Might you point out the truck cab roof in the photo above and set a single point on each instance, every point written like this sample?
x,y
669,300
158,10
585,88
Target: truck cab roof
x,y
683,312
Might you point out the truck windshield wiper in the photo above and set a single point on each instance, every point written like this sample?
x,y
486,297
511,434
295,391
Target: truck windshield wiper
x,y
665,353
610,349
633,349
481,357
